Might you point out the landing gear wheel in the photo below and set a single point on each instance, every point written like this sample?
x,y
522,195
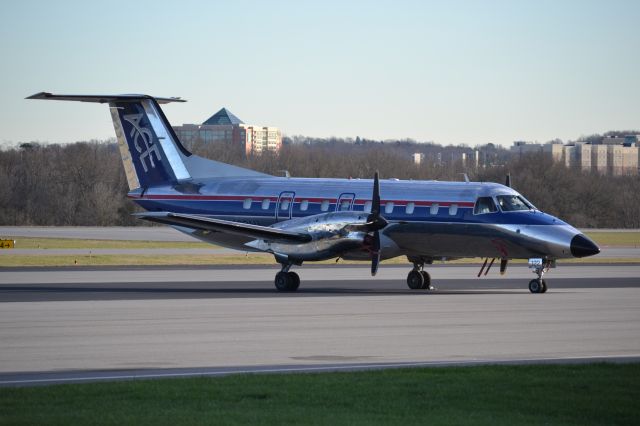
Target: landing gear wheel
x,y
282,281
537,286
544,286
287,281
294,281
427,281
415,280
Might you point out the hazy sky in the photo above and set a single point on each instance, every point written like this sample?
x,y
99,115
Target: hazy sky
x,y
448,71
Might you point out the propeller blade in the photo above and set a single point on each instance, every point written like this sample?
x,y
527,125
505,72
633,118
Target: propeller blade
x,y
375,253
375,221
375,199
508,180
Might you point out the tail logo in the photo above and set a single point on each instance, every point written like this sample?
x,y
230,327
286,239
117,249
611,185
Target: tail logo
x,y
148,149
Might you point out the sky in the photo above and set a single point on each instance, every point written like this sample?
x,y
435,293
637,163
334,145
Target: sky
x,y
450,72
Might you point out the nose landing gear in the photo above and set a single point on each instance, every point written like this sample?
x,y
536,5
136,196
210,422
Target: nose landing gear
x,y
539,267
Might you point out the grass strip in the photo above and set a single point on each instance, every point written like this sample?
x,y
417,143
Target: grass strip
x,y
588,394
71,243
616,239
610,239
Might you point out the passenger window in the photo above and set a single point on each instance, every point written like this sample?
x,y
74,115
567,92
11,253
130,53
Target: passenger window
x,y
367,207
410,208
484,205
434,209
325,205
304,205
265,203
284,204
453,209
247,203
388,208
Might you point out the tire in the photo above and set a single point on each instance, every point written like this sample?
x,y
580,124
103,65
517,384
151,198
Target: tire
x,y
415,280
282,281
294,281
544,286
427,280
535,286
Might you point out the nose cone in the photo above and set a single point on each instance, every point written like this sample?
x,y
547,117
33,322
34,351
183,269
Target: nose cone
x,y
582,246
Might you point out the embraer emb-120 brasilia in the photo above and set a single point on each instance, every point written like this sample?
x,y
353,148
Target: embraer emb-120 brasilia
x,y
302,219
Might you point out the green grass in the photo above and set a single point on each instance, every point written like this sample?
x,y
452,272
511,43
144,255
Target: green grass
x,y
593,394
70,243
631,238
613,239
12,260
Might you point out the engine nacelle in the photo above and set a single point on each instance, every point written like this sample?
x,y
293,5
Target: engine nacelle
x,y
332,235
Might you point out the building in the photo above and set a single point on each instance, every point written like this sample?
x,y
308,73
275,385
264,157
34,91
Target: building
x,y
225,127
622,160
599,159
522,147
418,158
615,156
554,150
582,157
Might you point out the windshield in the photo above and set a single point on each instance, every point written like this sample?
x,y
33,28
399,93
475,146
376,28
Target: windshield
x,y
511,203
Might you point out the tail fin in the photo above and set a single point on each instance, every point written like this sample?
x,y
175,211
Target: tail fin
x,y
151,152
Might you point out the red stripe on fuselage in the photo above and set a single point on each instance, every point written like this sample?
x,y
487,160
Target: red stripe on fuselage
x,y
259,198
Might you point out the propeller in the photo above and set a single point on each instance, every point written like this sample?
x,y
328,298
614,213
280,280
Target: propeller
x,y
375,222
504,262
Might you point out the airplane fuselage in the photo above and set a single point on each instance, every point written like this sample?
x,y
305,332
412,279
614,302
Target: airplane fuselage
x,y
439,219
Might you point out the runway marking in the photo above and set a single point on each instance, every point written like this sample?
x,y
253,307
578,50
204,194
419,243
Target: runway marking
x,y
330,368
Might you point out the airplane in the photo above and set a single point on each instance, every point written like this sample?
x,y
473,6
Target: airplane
x,y
313,219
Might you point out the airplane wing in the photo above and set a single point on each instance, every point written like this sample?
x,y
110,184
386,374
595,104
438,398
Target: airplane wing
x,y
226,226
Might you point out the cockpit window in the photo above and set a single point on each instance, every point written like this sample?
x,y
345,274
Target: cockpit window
x,y
484,205
512,203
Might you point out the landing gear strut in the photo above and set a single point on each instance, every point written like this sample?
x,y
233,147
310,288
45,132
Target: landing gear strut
x,y
286,280
418,278
539,285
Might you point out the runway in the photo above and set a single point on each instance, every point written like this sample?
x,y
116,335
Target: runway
x,y
71,324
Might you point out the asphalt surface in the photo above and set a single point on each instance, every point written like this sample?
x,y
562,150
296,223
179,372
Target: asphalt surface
x,y
119,283
63,325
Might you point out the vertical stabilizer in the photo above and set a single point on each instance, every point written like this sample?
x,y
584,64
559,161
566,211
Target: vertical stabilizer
x,y
151,153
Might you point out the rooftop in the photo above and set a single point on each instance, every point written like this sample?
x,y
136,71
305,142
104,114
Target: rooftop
x,y
224,116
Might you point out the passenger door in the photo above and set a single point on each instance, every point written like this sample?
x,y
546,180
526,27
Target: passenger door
x,y
284,206
345,202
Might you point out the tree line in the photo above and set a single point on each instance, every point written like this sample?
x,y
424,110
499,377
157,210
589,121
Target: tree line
x,y
84,183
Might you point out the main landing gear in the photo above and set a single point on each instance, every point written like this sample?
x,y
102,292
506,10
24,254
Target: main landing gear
x,y
539,267
286,280
418,278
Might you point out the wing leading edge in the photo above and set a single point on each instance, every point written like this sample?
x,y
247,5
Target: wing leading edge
x,y
226,226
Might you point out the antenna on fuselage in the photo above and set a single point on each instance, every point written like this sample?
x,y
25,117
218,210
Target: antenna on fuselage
x,y
508,180
466,177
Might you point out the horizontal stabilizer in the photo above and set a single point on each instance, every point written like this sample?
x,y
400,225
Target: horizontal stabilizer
x,y
226,226
101,99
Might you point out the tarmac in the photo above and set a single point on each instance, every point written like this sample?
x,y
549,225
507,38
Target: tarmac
x,y
64,325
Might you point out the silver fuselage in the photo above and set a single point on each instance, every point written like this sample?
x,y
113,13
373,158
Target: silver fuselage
x,y
429,219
